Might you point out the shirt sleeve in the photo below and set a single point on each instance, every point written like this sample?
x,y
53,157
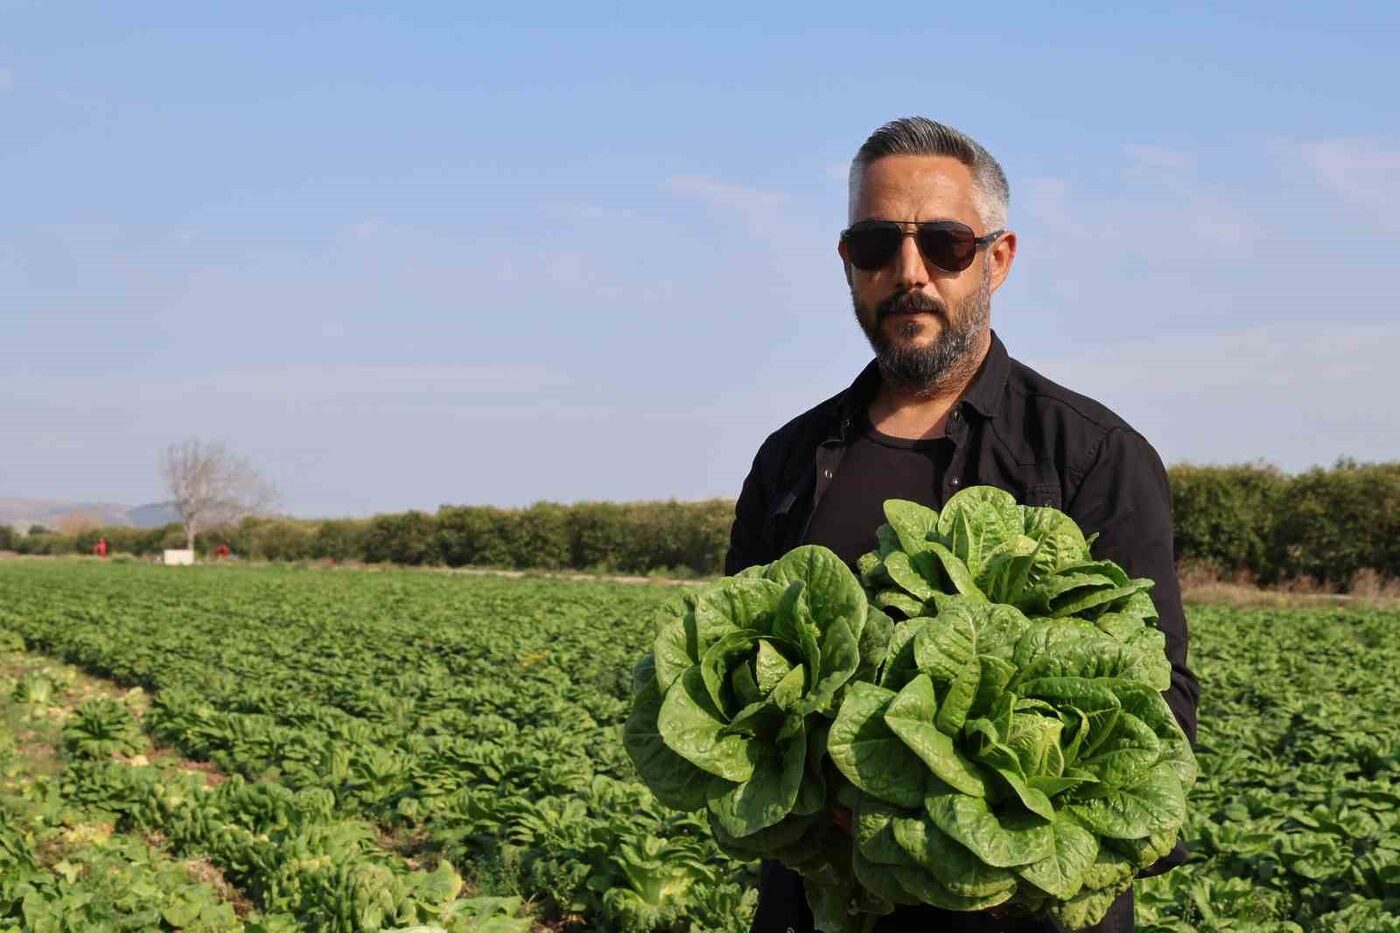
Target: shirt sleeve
x,y
746,546
1124,496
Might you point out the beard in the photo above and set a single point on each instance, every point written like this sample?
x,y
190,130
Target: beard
x,y
949,360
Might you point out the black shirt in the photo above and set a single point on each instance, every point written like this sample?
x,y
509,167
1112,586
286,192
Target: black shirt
x,y
875,468
1013,429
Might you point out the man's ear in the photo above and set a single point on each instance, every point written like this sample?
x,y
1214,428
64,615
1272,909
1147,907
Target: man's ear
x,y
1000,256
845,260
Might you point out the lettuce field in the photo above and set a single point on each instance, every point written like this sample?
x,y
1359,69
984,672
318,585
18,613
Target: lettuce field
x,y
222,748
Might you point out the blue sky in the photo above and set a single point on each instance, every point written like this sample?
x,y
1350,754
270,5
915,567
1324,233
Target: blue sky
x,y
412,257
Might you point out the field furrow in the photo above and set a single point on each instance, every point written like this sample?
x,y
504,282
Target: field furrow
x,y
64,862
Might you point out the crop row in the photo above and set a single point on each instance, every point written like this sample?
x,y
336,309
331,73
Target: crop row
x,y
90,845
477,721
1295,823
63,865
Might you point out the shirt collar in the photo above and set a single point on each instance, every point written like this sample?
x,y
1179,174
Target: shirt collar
x,y
989,385
984,395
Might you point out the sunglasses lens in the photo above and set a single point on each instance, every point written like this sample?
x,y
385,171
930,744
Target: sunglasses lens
x,y
951,248
948,245
872,248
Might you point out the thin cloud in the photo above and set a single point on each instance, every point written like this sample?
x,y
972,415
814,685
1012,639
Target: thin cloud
x,y
440,385
352,384
764,214
1144,156
1169,177
1169,198
1363,171
727,194
794,236
1231,396
365,229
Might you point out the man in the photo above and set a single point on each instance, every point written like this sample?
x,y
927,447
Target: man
x,y
943,407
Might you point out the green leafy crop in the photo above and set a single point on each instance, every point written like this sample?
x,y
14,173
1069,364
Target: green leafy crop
x,y
506,699
732,705
986,547
101,727
1006,742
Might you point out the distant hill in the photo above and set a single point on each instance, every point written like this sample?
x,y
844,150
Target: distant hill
x,y
57,513
153,515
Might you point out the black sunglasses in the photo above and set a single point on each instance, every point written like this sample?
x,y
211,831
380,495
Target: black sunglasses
x,y
949,245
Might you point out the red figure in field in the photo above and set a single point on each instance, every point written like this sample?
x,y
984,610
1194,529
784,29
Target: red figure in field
x,y
100,548
221,552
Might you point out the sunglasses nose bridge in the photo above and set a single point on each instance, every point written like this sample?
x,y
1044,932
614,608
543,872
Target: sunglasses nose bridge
x,y
910,264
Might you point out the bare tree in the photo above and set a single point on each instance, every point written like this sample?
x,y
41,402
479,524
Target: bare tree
x,y
211,486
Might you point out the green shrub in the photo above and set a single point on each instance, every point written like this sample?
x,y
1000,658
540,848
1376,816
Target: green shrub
x,y
1325,524
1336,522
124,539
597,535
539,536
45,543
340,539
271,539
172,536
1225,515
473,536
705,537
406,538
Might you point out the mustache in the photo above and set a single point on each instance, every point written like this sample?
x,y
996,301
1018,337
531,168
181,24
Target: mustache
x,y
908,302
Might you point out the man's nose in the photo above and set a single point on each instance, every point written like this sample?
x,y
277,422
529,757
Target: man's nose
x,y
909,269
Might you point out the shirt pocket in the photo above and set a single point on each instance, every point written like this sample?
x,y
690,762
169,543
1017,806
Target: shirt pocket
x,y
775,524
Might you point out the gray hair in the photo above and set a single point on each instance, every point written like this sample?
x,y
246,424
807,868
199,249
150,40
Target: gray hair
x,y
922,136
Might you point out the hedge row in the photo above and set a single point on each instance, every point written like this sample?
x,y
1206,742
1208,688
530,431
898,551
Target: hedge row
x,y
636,538
1323,524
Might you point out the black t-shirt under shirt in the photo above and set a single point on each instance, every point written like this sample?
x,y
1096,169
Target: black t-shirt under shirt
x,y
874,468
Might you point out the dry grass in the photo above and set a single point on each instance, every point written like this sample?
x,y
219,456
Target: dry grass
x,y
1368,584
204,871
1203,585
410,844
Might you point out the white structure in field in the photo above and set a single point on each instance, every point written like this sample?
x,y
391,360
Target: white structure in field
x,y
179,558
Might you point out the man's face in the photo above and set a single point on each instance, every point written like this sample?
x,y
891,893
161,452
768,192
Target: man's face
x,y
923,321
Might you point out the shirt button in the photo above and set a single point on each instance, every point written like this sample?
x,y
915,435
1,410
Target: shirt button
x,y
957,414
955,481
826,473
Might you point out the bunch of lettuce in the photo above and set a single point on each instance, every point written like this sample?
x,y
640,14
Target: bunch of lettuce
x,y
1004,743
1002,760
987,548
732,707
